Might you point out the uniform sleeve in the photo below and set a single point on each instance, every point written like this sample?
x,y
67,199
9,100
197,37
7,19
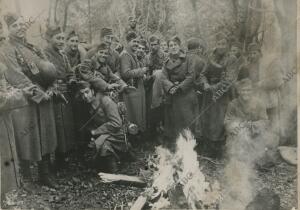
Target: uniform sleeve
x,y
126,71
166,83
116,79
114,122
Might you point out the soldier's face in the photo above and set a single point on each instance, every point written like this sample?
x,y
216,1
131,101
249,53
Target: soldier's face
x,y
141,51
245,94
102,55
73,43
164,46
154,46
254,56
174,48
18,29
58,41
132,23
221,47
108,39
133,44
87,95
234,51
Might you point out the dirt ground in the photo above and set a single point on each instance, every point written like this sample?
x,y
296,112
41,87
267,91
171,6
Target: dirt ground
x,y
80,187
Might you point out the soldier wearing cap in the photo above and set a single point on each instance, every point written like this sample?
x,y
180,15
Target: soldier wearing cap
x,y
132,26
197,62
73,50
98,73
113,59
218,81
34,125
133,73
63,110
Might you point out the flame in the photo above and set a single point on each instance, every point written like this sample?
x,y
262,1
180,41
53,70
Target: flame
x,y
182,168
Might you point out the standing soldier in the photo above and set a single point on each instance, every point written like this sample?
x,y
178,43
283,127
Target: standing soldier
x,y
132,27
74,52
113,58
62,109
181,104
9,99
34,125
132,73
195,56
156,59
216,97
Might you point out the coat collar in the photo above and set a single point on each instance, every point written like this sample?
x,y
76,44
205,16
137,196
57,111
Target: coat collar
x,y
173,64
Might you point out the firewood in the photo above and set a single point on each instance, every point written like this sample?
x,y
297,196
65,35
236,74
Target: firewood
x,y
120,178
139,203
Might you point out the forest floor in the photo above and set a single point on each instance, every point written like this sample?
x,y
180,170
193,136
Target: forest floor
x,y
80,186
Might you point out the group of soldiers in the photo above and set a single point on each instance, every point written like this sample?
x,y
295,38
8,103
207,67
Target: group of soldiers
x,y
108,93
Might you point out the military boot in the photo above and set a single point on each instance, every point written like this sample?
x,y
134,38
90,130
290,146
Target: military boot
x,y
27,180
44,174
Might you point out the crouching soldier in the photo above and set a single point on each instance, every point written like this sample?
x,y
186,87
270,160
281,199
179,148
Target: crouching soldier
x,y
248,137
106,127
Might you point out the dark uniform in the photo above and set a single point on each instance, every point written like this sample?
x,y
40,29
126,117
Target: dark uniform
x,y
34,124
64,117
135,100
180,108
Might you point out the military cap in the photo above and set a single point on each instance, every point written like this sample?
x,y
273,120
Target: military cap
x,y
71,34
244,84
220,36
10,18
52,31
131,18
106,32
195,43
237,44
130,36
175,39
253,47
102,46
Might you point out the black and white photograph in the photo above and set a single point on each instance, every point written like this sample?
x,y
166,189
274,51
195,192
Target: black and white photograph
x,y
149,104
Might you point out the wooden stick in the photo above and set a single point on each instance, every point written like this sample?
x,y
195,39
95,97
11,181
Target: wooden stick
x,y
120,178
139,203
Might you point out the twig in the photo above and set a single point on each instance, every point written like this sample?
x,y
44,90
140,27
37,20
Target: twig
x,y
210,160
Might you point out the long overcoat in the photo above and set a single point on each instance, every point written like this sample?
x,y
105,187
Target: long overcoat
x,y
64,116
34,124
135,100
181,108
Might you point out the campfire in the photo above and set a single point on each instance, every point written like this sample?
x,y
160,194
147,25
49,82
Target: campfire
x,y
177,180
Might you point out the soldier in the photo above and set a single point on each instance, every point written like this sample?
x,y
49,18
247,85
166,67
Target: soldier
x,y
132,27
181,103
98,72
156,59
113,58
63,110
74,52
106,127
34,125
215,97
196,62
9,99
132,73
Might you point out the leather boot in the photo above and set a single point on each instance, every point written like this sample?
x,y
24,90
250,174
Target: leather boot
x,y
27,180
44,175
112,164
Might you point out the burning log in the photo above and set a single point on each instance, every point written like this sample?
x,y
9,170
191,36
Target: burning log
x,y
119,178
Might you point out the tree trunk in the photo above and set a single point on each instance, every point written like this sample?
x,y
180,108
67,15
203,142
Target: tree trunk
x,y
55,12
18,7
90,24
66,14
